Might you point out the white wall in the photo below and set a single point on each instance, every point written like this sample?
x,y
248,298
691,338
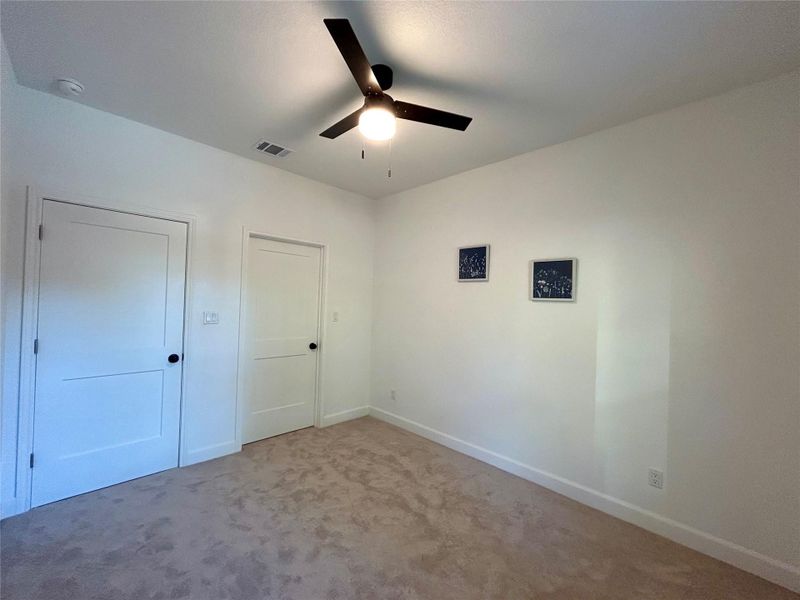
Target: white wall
x,y
60,145
681,352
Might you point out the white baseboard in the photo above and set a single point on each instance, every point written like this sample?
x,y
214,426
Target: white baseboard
x,y
345,415
771,569
209,452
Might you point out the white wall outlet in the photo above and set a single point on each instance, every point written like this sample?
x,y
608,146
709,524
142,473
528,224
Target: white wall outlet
x,y
210,317
655,478
393,395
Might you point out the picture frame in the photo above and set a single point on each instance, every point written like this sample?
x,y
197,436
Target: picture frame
x,y
473,263
553,279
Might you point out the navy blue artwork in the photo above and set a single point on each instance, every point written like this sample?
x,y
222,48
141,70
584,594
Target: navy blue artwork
x,y
473,263
553,279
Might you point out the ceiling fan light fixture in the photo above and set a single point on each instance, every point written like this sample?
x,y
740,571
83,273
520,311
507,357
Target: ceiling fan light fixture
x,y
377,123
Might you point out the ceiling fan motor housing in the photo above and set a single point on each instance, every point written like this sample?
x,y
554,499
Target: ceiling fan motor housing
x,y
384,101
384,75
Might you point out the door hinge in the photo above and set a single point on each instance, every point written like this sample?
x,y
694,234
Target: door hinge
x,y
41,231
36,346
31,463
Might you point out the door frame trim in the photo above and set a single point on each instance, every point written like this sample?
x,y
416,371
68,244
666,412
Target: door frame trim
x,y
30,318
319,396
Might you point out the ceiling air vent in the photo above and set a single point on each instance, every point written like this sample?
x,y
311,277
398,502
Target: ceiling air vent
x,y
271,149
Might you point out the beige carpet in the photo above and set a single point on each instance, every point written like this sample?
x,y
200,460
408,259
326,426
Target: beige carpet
x,y
360,510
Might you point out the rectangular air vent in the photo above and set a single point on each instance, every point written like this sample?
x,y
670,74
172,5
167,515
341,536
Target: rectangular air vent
x,y
271,149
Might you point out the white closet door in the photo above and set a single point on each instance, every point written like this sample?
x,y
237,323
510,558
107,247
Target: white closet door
x,y
282,313
111,302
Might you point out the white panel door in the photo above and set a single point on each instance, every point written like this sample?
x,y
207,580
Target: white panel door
x,y
111,299
282,318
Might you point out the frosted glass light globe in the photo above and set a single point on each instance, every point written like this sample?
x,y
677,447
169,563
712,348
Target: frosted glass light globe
x,y
377,124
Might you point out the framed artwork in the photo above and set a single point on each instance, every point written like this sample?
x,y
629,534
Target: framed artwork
x,y
553,279
473,263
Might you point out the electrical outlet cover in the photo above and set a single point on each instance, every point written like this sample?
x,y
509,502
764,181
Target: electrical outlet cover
x,y
655,478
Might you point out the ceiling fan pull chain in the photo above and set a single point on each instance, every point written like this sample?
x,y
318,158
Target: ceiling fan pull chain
x,y
390,158
362,149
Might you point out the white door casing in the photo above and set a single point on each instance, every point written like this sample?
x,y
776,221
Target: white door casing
x,y
281,322
111,311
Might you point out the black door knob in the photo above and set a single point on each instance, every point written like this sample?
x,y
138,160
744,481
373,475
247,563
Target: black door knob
x,y
173,358
313,345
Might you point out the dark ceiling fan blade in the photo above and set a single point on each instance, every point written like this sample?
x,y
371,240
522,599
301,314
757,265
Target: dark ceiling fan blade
x,y
431,116
342,126
347,42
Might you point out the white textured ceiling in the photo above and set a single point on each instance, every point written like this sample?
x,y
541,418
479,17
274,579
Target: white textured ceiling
x,y
530,74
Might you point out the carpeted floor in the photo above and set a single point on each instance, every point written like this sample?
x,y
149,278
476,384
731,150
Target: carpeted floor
x,y
361,510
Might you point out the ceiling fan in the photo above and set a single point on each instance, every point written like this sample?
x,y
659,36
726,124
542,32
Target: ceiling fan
x,y
377,118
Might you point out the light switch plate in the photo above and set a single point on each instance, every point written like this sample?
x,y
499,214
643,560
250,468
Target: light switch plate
x,y
210,317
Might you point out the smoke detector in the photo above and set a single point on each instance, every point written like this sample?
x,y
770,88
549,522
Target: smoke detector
x,y
69,87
